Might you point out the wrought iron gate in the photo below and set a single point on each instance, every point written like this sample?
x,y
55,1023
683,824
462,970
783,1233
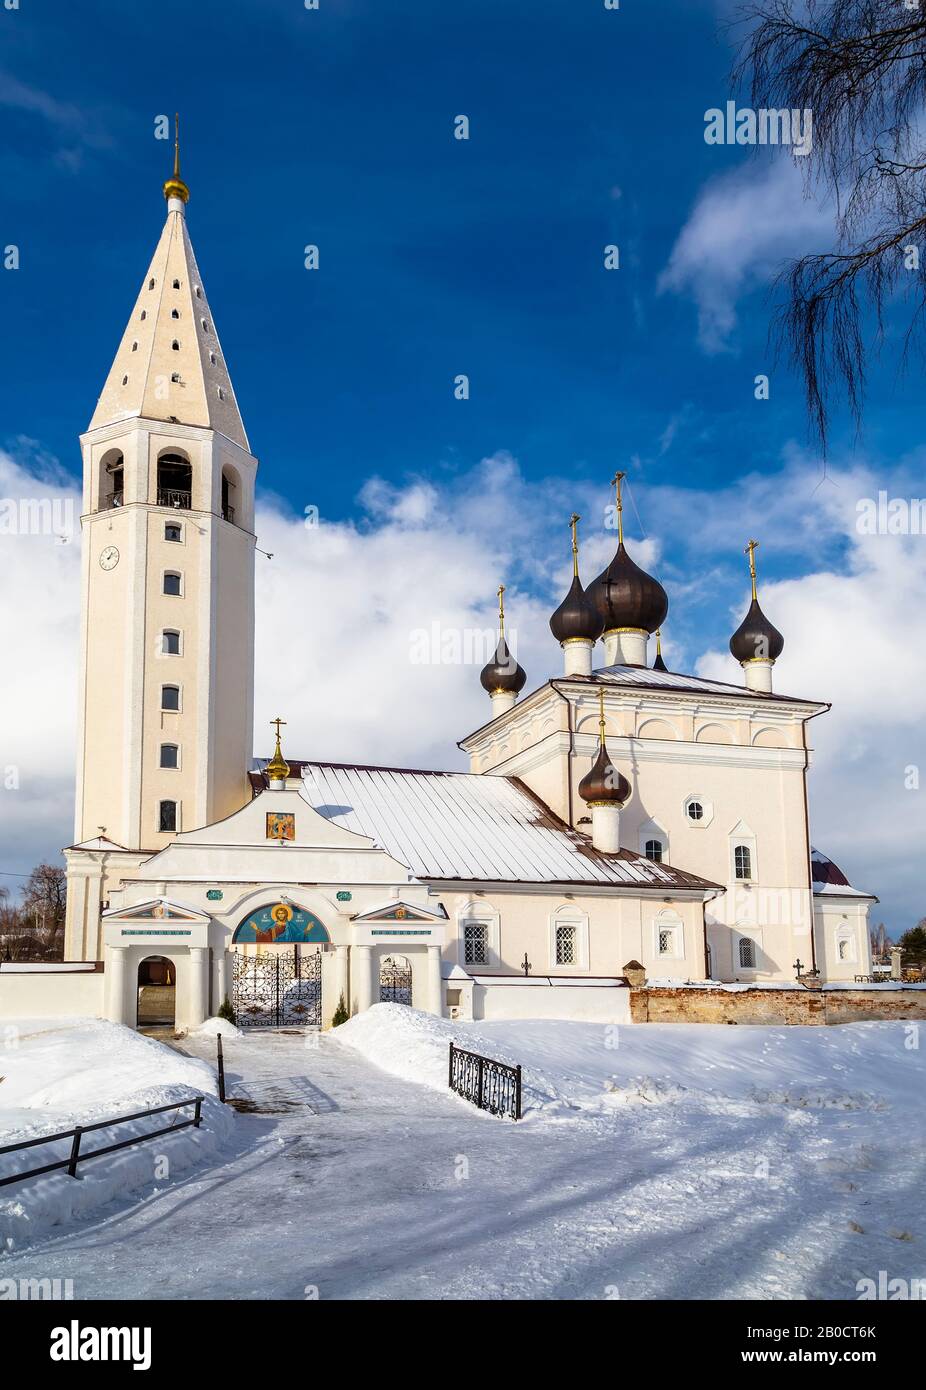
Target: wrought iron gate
x,y
395,983
278,987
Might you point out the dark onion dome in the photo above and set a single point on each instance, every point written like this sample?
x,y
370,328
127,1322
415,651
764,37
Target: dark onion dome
x,y
603,782
576,616
756,638
627,597
503,672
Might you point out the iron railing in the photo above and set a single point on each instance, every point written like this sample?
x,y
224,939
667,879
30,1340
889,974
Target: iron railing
x,y
76,1135
172,497
491,1085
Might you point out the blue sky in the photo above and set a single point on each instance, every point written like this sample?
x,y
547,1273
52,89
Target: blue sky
x,y
441,257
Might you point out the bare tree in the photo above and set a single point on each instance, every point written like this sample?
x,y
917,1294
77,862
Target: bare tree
x,y
860,67
44,898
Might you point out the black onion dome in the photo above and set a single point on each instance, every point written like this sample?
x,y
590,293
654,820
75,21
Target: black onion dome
x,y
603,782
576,616
627,596
503,672
756,637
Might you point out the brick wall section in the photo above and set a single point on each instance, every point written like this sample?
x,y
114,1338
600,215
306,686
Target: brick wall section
x,y
774,1006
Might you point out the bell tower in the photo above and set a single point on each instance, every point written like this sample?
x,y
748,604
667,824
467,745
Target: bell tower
x,y
167,636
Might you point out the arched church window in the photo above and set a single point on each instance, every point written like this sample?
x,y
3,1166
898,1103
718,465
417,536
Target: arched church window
x,y
112,474
170,642
175,346
475,943
170,755
173,583
170,697
167,816
742,861
175,481
173,532
175,313
176,284
653,849
747,953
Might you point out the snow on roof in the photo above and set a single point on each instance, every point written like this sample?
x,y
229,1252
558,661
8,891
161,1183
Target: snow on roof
x,y
471,827
829,879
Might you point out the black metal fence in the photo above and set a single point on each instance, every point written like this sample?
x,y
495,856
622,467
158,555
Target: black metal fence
x,y
76,1135
493,1086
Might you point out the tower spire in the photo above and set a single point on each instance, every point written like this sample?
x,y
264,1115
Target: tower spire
x,y
175,187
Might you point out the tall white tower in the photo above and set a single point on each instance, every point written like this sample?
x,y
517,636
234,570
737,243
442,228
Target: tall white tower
x,y
167,643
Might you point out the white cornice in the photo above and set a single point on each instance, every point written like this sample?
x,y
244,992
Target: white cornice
x,y
650,750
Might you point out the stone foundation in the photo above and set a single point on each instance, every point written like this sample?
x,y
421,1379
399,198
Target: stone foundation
x,y
799,1004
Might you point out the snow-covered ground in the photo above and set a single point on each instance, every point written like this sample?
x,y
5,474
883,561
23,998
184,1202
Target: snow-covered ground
x,y
55,1074
653,1162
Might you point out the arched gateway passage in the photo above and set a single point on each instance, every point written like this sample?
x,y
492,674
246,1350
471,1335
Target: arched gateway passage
x,y
156,1000
279,982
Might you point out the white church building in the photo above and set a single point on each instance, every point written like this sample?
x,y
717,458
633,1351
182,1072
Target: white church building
x,y
616,813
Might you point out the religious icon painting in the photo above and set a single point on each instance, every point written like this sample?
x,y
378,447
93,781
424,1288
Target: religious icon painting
x,y
281,825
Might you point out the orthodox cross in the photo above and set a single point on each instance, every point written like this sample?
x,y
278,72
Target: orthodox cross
x,y
501,609
799,967
750,550
278,721
616,482
573,522
526,965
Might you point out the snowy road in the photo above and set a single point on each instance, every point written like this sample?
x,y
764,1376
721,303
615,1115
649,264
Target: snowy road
x,y
366,1186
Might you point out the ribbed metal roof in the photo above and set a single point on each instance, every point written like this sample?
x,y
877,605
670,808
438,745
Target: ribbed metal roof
x,y
459,825
672,680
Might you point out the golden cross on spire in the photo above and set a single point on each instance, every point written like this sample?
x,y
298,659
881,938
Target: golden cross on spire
x,y
278,767
501,610
616,483
175,187
601,713
176,144
278,722
573,522
750,550
659,641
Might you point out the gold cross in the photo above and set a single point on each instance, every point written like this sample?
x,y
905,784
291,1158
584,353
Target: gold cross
x,y
751,547
601,711
278,721
573,522
501,608
616,482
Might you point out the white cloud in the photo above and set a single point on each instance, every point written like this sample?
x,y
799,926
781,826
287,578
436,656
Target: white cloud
x,y
339,605
744,225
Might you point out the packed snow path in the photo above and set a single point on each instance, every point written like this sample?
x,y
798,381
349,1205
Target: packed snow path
x,y
356,1184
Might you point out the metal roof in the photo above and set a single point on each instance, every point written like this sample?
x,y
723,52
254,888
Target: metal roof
x,y
646,677
469,827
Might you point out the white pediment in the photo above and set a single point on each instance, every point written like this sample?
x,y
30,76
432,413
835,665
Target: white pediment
x,y
156,911
399,913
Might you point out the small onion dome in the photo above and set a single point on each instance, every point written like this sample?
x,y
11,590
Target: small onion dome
x,y
628,597
503,672
603,783
577,616
756,638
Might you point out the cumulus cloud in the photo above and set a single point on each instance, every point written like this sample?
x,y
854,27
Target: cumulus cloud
x,y
744,225
369,628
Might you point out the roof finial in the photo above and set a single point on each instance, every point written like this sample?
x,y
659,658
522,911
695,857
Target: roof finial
x,y
659,641
617,480
750,550
175,187
601,714
573,522
501,610
278,768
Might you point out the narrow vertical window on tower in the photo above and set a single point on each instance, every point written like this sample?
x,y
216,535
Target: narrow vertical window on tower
x,y
742,861
173,583
170,698
170,755
170,642
167,816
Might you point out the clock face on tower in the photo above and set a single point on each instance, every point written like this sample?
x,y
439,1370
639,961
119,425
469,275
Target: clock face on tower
x,y
109,558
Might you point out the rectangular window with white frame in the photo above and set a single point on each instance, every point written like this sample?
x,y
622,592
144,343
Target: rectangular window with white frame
x,y
669,937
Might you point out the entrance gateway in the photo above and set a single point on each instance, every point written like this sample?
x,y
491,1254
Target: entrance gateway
x,y
280,984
